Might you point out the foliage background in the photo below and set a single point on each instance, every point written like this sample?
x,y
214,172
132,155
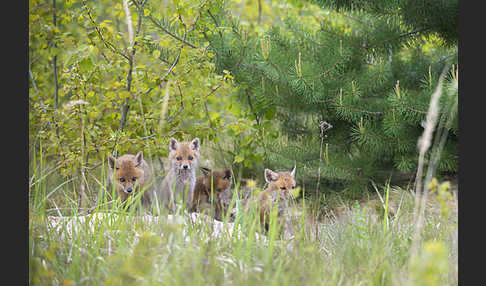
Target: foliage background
x,y
253,79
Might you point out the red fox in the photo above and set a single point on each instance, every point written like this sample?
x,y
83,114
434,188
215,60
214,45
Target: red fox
x,y
180,180
280,187
219,181
130,174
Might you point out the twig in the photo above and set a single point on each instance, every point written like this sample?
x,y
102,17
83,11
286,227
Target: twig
x,y
33,82
170,33
174,63
212,91
327,100
216,23
147,137
107,44
243,49
328,70
94,167
183,40
210,44
412,109
323,126
362,110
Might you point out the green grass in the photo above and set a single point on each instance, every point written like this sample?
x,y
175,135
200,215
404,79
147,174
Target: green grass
x,y
366,244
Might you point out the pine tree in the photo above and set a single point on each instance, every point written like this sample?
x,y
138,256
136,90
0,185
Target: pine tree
x,y
366,68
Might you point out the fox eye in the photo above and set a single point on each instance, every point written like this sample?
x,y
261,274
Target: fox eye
x,y
122,180
134,179
293,187
179,158
190,158
283,188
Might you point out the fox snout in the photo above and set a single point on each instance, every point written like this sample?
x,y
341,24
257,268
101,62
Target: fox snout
x,y
185,166
129,190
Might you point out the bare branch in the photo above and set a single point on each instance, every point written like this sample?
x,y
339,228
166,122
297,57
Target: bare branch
x,y
215,22
174,63
33,82
170,33
212,91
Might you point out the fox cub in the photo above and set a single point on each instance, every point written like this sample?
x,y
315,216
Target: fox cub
x,y
220,182
179,182
130,174
277,194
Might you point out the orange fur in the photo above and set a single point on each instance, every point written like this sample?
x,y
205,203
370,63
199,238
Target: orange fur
x,y
280,185
181,178
220,182
130,174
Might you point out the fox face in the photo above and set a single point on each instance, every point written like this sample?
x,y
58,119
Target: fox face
x,y
281,182
184,155
127,173
219,180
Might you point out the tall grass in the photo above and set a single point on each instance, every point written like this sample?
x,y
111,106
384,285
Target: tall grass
x,y
118,246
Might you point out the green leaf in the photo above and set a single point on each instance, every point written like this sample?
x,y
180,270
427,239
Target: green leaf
x,y
238,159
85,65
270,113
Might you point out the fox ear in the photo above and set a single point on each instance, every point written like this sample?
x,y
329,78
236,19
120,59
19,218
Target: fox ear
x,y
270,175
206,171
227,174
292,171
173,144
139,158
111,162
195,144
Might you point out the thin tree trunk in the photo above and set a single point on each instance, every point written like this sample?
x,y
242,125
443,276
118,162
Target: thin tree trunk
x,y
54,60
132,43
259,11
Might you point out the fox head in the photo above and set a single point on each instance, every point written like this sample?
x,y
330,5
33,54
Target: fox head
x,y
219,180
184,155
127,172
283,182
